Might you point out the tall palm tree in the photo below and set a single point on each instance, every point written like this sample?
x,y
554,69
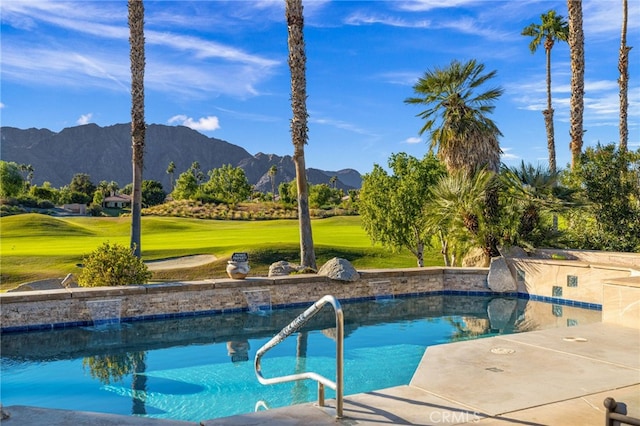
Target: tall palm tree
x,y
576,51
138,127
551,29
273,171
297,65
465,138
171,169
623,67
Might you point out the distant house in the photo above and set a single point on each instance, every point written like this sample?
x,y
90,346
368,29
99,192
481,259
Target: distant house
x,y
117,201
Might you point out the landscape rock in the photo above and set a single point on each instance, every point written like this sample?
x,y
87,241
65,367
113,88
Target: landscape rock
x,y
339,269
500,278
475,258
513,252
282,268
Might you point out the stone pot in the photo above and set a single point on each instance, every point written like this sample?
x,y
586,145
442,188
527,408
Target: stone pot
x,y
237,270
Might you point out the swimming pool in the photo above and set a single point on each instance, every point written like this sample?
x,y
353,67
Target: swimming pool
x,y
201,368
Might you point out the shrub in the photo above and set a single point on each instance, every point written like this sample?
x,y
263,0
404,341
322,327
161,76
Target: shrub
x,y
113,265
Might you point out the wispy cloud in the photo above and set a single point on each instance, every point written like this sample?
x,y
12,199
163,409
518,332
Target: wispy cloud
x,y
179,64
413,140
343,125
84,119
205,124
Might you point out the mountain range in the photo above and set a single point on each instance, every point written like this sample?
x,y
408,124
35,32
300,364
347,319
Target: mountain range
x,y
104,153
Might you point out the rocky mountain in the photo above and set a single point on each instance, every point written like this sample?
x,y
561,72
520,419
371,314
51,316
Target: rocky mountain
x,y
104,153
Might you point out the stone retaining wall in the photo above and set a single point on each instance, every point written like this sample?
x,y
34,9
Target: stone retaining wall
x,y
73,307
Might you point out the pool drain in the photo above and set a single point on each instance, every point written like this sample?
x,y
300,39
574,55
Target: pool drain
x,y
575,339
502,351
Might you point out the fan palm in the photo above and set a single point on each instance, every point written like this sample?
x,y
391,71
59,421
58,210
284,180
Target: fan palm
x,y
138,127
456,118
297,65
576,49
623,67
551,28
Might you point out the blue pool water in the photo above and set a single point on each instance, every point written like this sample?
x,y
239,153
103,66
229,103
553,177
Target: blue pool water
x,y
201,368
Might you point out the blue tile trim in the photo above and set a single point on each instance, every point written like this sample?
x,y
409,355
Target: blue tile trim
x,y
154,317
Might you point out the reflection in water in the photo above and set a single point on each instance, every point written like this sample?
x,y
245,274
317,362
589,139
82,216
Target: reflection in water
x,y
238,350
300,392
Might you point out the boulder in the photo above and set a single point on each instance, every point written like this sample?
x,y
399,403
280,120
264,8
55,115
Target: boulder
x,y
282,268
513,252
500,278
475,258
339,269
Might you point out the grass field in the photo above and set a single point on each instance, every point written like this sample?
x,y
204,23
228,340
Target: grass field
x,y
35,247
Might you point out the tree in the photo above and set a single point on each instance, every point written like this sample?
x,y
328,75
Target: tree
x,y
457,213
11,181
576,51
273,170
152,193
551,29
113,265
457,118
229,184
138,126
610,181
81,182
392,207
531,198
186,186
333,180
171,169
623,81
297,66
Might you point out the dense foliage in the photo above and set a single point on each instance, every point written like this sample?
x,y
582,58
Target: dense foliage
x,y
113,265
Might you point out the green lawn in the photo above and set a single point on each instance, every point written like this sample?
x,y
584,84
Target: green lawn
x,y
35,247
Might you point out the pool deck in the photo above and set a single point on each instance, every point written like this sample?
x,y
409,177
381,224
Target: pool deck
x,y
558,376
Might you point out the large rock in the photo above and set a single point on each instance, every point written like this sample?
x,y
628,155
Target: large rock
x,y
339,269
475,258
281,268
500,278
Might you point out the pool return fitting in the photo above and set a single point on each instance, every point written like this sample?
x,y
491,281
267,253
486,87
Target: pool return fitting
x,y
294,326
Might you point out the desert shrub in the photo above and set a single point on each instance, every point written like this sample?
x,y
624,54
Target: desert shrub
x,y
113,265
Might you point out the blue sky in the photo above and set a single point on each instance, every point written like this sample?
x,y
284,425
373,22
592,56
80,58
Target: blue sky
x,y
220,67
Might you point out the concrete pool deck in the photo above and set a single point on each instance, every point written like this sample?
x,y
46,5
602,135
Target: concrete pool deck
x,y
557,376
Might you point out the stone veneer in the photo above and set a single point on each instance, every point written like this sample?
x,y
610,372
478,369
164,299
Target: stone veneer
x,y
71,307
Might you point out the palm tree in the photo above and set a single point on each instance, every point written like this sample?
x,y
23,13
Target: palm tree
x,y
623,67
333,180
553,27
466,139
273,171
457,215
576,49
138,127
171,169
297,65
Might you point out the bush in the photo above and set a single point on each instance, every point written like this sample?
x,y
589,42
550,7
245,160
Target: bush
x,y
113,265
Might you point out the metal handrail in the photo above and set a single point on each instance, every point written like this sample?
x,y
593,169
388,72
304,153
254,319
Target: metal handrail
x,y
294,326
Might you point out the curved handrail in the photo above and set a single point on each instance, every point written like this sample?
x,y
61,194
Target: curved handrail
x,y
294,326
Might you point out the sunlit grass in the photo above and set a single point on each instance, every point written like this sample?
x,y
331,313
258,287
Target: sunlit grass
x,y
35,247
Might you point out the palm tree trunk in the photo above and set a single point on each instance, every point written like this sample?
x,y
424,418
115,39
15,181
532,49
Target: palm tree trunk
x,y
136,40
623,67
548,118
297,65
576,51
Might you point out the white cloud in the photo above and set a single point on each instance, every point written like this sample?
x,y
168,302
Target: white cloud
x,y
84,119
206,124
413,140
1,105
